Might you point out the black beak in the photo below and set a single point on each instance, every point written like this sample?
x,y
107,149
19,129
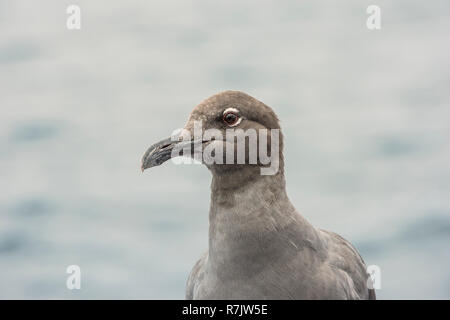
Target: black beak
x,y
162,151
158,153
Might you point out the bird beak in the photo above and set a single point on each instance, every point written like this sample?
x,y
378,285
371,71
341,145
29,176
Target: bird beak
x,y
158,153
169,148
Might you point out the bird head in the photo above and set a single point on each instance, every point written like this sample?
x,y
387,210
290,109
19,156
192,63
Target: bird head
x,y
228,132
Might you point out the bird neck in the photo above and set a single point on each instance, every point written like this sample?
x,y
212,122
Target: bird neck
x,y
251,217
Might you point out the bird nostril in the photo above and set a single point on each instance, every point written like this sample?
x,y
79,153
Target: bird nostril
x,y
165,145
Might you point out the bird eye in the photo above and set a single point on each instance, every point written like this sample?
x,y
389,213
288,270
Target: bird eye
x,y
230,118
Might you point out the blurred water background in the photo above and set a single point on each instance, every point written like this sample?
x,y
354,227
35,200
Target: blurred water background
x,y
365,115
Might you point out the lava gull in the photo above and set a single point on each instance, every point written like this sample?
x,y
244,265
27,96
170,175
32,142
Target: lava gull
x,y
260,246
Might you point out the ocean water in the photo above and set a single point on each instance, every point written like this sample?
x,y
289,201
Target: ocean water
x,y
365,116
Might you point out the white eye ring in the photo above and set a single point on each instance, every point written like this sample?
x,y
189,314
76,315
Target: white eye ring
x,y
235,111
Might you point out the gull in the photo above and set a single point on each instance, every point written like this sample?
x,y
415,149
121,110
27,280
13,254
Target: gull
x,y
260,246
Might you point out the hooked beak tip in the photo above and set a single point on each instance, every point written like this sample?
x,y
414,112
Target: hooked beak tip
x,y
143,167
